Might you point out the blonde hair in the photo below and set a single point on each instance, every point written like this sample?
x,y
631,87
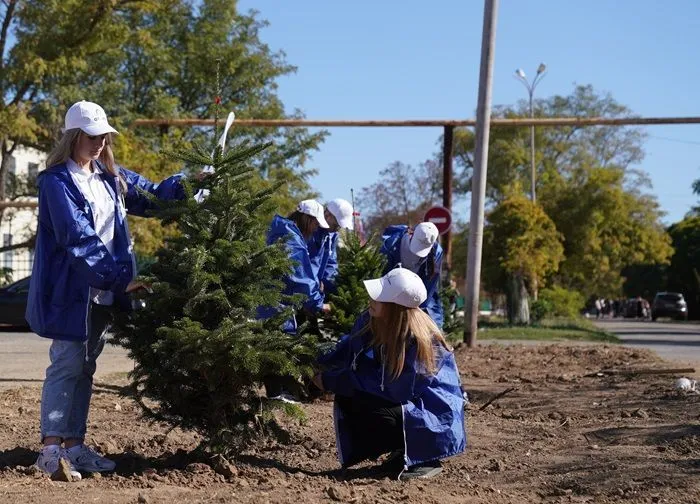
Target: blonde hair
x,y
393,330
66,145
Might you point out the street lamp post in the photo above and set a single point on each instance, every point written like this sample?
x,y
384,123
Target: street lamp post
x,y
530,86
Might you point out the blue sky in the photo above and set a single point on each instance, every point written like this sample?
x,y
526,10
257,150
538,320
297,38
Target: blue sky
x,y
412,59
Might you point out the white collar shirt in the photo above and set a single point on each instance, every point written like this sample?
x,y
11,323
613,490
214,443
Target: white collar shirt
x,y
102,207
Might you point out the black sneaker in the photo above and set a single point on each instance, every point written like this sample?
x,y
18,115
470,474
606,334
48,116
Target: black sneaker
x,y
424,471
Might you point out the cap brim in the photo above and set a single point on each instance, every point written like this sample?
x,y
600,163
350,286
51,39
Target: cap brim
x,y
416,248
98,129
322,221
347,223
375,288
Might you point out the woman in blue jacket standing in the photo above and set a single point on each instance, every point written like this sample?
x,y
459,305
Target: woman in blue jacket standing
x,y
296,231
418,250
83,266
396,384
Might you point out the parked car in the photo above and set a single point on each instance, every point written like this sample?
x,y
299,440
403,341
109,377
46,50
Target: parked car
x,y
669,304
13,304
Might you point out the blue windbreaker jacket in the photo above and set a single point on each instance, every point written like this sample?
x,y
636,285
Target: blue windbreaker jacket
x,y
69,257
323,252
301,279
432,406
391,248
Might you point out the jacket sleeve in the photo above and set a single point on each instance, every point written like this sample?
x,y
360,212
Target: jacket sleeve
x,y
302,279
331,270
340,355
368,377
138,203
433,304
74,233
391,245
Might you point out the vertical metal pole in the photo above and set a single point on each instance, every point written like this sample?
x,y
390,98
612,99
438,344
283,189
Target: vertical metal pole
x,y
533,196
447,143
481,157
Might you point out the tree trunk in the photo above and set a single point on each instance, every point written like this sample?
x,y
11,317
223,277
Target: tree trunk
x,y
517,300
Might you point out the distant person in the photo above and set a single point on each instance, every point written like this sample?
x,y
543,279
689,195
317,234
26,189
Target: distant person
x,y
84,268
396,384
598,308
417,249
296,230
323,245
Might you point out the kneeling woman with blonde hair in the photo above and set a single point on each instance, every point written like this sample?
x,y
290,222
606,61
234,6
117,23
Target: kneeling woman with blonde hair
x,y
396,384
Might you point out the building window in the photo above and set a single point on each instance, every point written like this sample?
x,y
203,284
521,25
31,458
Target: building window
x,y
7,255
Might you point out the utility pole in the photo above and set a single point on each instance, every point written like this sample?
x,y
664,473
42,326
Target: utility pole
x,y
481,157
447,150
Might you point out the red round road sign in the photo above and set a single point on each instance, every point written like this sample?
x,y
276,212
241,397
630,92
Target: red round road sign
x,y
441,217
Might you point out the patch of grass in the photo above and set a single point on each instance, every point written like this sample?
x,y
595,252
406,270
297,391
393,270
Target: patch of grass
x,y
548,330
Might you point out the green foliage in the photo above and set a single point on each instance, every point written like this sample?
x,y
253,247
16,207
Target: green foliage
x,y
520,239
587,183
200,353
606,228
149,59
562,302
357,262
684,270
540,309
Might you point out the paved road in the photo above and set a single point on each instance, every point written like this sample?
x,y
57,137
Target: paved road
x,y
678,342
24,357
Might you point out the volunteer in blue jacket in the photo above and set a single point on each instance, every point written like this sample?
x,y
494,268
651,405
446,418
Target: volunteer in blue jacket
x,y
83,266
396,384
296,230
418,250
323,245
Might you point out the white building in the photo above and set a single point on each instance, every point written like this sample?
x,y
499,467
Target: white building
x,y
19,224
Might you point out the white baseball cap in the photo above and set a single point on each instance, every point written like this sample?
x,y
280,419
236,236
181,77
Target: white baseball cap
x,y
342,211
313,208
424,236
400,286
89,117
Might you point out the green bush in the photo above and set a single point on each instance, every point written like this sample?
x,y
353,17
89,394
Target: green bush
x,y
541,309
563,302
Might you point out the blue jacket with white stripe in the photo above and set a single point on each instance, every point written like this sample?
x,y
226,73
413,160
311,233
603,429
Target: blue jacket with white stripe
x,y
429,271
69,257
432,405
323,253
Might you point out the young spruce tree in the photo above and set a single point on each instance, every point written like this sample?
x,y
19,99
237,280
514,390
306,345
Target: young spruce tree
x,y
201,355
356,262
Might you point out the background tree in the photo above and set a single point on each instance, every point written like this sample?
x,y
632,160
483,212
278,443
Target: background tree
x,y
200,354
524,247
147,58
696,190
684,270
401,195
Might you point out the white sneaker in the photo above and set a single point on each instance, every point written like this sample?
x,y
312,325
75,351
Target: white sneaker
x,y
86,459
48,461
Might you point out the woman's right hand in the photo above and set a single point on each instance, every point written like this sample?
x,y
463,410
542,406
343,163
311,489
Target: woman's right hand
x,y
134,286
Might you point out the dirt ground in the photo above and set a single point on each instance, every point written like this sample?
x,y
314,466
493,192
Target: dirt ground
x,y
559,436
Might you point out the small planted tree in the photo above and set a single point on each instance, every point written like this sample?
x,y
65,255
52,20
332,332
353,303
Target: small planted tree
x,y
201,355
356,262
